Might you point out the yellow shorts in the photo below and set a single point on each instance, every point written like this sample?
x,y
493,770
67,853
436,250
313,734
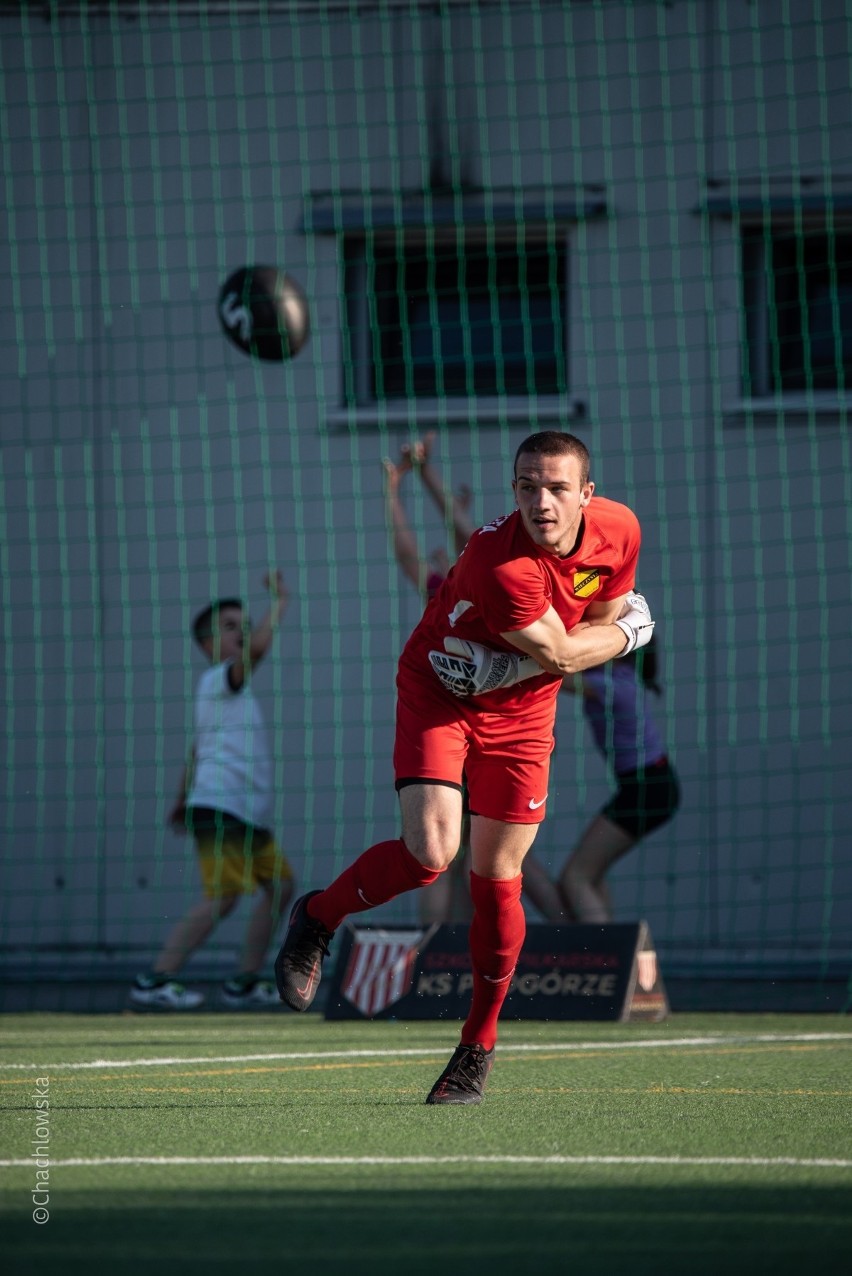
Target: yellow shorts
x,y
235,859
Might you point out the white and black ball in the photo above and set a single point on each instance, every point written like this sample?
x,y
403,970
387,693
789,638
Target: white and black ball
x,y
264,311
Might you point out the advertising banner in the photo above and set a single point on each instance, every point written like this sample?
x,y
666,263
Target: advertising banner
x,y
564,972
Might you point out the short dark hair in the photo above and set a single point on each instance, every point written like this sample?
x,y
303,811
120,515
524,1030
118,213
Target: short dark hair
x,y
202,626
555,443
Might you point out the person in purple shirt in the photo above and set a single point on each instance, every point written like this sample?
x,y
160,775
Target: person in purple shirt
x,y
647,795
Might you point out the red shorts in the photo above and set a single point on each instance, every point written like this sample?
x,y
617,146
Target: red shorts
x,y
503,758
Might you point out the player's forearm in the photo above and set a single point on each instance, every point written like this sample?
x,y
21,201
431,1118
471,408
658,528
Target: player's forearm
x,y
568,653
404,543
260,638
266,629
616,629
432,482
463,527
583,648
453,511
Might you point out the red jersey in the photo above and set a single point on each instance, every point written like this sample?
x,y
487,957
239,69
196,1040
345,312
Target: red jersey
x,y
503,582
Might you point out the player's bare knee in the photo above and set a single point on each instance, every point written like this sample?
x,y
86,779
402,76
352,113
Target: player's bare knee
x,y
433,849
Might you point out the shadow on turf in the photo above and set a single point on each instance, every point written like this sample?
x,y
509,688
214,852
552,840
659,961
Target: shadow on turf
x,y
541,1226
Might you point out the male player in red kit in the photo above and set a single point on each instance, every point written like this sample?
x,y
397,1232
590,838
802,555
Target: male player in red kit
x,y
540,593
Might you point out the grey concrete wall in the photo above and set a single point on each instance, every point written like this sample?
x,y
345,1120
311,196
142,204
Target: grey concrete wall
x,y
145,464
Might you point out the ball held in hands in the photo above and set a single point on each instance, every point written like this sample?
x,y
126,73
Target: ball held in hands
x,y
469,669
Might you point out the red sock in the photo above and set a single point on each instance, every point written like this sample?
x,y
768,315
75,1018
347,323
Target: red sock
x,y
380,874
496,938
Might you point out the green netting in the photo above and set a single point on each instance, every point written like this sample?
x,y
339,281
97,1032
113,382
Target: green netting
x,y
630,220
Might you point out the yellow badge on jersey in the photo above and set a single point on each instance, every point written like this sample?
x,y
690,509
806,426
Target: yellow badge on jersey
x,y
587,582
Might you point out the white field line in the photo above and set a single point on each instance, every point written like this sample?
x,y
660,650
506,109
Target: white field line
x,y
506,1049
752,1161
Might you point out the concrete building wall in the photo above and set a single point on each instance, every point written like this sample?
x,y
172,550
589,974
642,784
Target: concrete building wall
x,y
146,464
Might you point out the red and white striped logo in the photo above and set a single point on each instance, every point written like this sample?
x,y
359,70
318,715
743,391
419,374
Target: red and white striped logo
x,y
381,968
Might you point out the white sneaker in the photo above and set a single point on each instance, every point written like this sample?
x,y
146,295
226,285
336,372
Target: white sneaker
x,y
262,993
168,996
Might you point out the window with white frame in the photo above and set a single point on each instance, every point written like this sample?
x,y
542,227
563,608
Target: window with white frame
x,y
797,295
455,312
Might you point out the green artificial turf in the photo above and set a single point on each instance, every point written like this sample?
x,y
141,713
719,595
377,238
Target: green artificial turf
x,y
391,1185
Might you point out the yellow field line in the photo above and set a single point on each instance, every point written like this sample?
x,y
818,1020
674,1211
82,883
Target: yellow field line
x,y
124,1083
353,1059
581,1048
612,1091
